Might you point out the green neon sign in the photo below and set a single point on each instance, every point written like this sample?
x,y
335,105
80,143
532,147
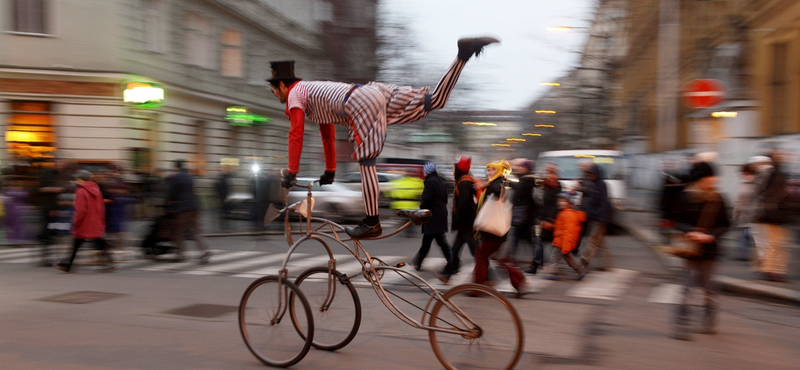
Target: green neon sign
x,y
241,116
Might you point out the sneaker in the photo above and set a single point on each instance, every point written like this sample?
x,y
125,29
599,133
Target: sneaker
x,y
581,275
364,231
469,46
443,278
532,268
549,277
61,267
206,256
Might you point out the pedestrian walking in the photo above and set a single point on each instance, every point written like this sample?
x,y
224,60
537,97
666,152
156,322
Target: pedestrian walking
x,y
703,219
770,232
434,198
551,188
366,110
566,234
489,243
744,212
462,216
222,188
89,220
598,216
524,211
182,204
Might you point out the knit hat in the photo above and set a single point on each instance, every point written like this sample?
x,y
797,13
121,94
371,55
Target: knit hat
x,y
82,175
463,163
429,168
701,170
759,159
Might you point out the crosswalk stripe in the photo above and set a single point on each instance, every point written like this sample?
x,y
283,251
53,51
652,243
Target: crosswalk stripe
x,y
215,258
14,254
295,266
238,265
603,285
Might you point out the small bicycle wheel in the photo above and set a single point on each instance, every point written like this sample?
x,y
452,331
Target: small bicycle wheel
x,y
265,326
337,311
492,338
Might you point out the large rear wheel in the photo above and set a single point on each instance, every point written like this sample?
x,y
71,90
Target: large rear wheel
x,y
490,334
265,326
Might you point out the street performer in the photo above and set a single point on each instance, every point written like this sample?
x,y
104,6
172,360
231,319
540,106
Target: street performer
x,y
366,110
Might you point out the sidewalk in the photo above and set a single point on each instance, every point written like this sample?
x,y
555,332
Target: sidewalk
x,y
639,219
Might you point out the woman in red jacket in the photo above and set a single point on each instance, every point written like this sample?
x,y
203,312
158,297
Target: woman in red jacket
x,y
89,221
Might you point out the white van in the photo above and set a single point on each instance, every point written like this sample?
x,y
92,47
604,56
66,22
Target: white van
x,y
611,162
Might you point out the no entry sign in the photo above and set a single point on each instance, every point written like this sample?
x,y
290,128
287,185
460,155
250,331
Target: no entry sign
x,y
703,93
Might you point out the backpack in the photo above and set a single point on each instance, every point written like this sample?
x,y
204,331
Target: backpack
x,y
469,178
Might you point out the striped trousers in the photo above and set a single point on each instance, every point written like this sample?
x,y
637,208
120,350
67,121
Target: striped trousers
x,y
373,107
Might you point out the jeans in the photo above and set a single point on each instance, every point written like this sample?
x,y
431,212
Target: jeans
x,y
524,233
427,240
697,273
455,251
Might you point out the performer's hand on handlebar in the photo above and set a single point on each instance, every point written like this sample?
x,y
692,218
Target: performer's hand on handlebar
x,y
288,179
327,178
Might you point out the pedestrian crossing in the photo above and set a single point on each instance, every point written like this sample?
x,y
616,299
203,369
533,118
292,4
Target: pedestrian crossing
x,y
607,285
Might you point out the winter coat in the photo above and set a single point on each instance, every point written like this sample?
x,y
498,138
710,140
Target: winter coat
x,y
746,207
771,196
598,207
89,220
691,204
549,209
180,196
567,230
524,211
434,198
464,206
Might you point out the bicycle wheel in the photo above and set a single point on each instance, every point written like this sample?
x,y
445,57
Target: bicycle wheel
x,y
335,322
265,325
492,340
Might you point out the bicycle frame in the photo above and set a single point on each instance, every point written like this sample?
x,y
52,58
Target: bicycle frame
x,y
371,272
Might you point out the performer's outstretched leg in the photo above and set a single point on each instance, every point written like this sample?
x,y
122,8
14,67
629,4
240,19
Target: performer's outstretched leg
x,y
370,226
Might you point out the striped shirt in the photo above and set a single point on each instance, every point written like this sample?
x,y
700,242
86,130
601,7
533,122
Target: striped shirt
x,y
322,101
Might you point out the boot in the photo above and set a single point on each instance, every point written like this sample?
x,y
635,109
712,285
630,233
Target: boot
x,y
469,46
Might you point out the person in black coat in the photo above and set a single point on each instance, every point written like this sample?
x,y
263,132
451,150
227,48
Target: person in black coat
x,y
463,215
183,206
702,217
598,216
524,211
434,198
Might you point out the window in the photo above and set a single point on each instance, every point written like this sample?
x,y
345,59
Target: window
x,y
232,53
154,26
29,131
779,86
29,16
200,40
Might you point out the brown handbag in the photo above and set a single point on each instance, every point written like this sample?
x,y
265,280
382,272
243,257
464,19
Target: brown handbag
x,y
682,246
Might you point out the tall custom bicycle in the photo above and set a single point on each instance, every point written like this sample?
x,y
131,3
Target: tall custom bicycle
x,y
470,326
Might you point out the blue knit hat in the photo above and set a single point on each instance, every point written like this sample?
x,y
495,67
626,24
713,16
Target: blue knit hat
x,y
429,168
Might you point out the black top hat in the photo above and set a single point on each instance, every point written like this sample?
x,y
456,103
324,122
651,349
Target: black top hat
x,y
282,71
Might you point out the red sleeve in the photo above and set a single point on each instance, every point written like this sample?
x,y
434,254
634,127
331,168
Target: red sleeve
x,y
297,118
328,133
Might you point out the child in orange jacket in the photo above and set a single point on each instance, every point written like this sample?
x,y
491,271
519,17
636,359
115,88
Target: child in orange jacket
x,y
566,234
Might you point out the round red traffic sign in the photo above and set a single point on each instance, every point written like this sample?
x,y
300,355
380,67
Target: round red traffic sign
x,y
703,93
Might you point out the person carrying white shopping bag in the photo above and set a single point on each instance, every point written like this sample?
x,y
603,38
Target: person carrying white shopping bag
x,y
492,223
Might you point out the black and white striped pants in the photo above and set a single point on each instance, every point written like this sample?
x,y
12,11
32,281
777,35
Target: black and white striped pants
x,y
374,106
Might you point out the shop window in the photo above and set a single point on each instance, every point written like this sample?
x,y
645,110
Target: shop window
x,y
231,53
30,133
199,40
29,16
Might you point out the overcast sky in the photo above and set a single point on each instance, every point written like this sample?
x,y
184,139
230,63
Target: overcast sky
x,y
507,76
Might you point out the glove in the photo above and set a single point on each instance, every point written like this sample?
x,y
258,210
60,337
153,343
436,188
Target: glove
x,y
327,178
288,179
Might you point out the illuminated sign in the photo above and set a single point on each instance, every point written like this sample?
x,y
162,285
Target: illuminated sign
x,y
241,116
143,94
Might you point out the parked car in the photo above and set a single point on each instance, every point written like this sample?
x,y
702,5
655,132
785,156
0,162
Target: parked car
x,y
336,201
353,181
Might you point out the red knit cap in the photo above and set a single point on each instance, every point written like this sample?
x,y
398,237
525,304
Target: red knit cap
x,y
463,163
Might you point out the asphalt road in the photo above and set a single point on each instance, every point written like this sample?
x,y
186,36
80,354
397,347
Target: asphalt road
x,y
165,315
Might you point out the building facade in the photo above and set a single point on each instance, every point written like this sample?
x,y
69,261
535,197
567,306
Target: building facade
x,y
66,65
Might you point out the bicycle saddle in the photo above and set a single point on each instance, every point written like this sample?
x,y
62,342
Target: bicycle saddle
x,y
419,216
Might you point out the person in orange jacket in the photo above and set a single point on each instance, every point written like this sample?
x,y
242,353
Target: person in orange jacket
x,y
566,234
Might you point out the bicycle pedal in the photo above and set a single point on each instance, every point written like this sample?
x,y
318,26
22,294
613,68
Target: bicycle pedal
x,y
399,265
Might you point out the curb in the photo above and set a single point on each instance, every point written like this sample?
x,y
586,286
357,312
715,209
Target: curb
x,y
726,283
